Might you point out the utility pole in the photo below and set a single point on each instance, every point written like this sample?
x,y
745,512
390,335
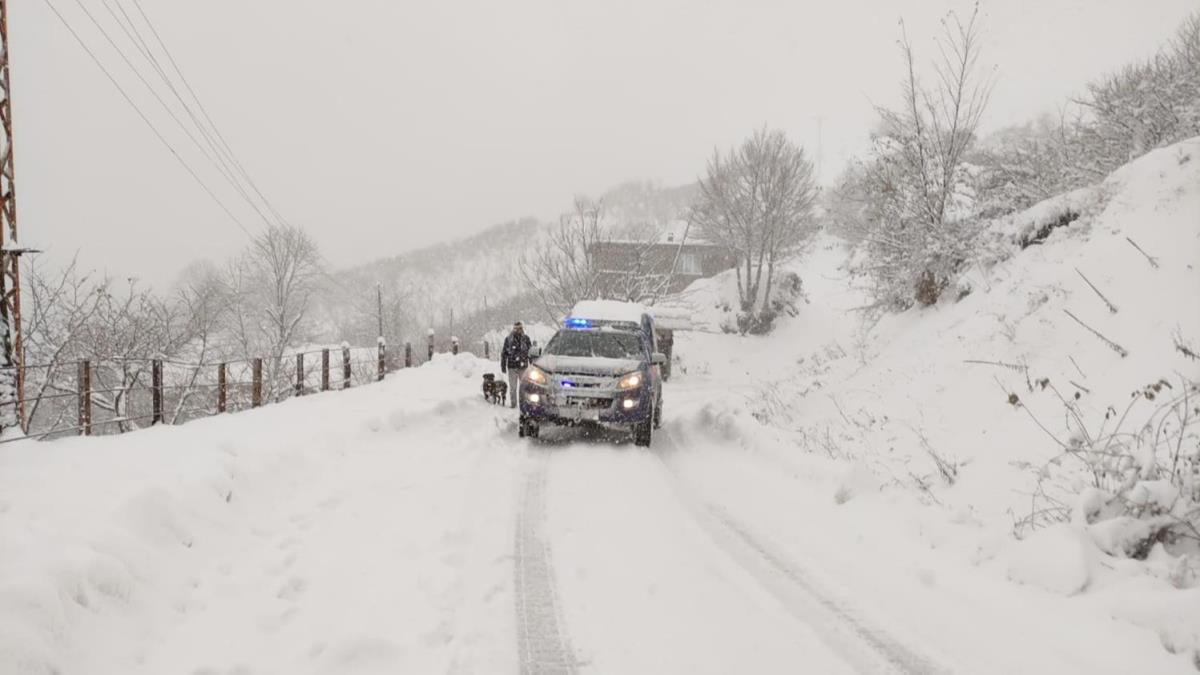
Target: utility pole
x,y
378,303
820,120
12,375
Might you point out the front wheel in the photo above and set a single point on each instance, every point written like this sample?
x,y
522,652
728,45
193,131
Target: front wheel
x,y
643,432
528,428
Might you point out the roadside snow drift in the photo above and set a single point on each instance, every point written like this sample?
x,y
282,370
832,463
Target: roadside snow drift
x,y
328,534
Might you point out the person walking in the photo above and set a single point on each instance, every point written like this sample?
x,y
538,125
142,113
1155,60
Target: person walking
x,y
514,358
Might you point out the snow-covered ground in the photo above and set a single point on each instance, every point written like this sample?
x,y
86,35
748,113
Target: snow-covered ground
x,y
790,516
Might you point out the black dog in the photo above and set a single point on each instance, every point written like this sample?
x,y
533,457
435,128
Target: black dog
x,y
494,391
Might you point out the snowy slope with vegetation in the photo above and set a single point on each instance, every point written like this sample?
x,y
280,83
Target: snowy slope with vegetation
x,y
1037,428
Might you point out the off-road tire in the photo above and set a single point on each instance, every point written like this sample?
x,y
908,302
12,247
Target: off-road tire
x,y
529,428
643,432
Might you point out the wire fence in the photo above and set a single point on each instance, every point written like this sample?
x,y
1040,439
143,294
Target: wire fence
x,y
117,395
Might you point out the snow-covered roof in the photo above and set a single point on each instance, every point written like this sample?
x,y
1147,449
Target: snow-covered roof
x,y
609,310
672,233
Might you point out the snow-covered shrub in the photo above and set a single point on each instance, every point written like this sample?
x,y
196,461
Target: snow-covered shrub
x,y
1040,231
1145,105
786,297
912,196
1021,166
1058,559
789,295
1132,477
1006,236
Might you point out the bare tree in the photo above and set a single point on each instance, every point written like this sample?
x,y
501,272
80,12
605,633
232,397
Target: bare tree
x,y
129,328
564,271
918,235
257,306
757,201
270,290
203,304
641,268
57,310
119,327
287,264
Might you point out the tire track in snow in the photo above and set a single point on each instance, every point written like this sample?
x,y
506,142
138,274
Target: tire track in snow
x,y
868,648
542,642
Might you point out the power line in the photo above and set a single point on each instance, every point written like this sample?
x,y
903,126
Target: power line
x,y
145,119
220,169
204,111
129,27
142,78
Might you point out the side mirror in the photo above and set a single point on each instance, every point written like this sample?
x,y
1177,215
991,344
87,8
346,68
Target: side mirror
x,y
658,358
535,352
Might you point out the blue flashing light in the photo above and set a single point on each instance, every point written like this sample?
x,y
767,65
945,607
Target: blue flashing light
x,y
567,384
577,322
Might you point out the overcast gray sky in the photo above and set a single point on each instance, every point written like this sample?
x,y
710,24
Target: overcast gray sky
x,y
384,125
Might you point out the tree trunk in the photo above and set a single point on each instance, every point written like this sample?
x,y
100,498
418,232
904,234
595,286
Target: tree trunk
x,y
757,278
740,286
770,280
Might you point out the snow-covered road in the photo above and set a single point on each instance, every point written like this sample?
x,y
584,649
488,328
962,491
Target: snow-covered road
x,y
378,531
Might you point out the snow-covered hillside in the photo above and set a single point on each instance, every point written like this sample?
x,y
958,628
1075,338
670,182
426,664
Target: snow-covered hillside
x,y
822,499
942,431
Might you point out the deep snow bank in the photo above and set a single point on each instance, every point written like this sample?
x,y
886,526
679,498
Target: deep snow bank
x,y
109,545
984,410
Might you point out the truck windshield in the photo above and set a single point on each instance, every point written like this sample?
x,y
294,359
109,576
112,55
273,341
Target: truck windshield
x,y
604,344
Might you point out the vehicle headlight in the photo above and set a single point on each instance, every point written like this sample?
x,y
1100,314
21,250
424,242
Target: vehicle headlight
x,y
535,375
630,381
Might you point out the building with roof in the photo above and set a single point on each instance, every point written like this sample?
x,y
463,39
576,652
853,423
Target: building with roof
x,y
632,270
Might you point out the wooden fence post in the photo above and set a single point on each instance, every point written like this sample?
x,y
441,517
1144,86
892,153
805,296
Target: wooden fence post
x,y
430,344
324,370
221,388
256,386
408,355
487,350
300,374
382,359
156,385
85,398
347,373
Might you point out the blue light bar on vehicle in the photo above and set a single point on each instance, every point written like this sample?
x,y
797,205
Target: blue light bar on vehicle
x,y
577,322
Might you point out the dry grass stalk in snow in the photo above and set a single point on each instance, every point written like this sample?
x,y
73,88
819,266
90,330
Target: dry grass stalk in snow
x,y
1140,470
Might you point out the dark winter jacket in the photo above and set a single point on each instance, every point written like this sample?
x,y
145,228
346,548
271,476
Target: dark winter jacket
x,y
515,353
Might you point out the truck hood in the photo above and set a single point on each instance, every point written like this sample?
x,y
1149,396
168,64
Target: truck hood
x,y
586,365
